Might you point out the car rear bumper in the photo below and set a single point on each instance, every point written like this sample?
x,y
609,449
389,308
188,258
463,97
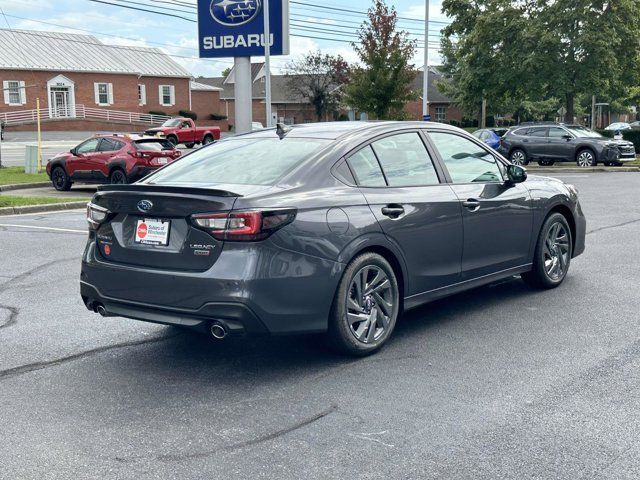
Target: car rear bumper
x,y
253,288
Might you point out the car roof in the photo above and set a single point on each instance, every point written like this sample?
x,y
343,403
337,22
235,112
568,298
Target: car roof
x,y
127,136
337,130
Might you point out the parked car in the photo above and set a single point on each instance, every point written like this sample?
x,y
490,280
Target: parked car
x,y
635,125
618,126
112,158
550,143
488,136
184,130
328,227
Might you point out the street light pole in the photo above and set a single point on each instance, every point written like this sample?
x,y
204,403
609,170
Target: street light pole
x,y
425,80
267,62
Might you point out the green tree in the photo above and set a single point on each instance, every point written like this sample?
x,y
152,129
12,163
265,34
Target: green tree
x,y
319,78
382,84
226,72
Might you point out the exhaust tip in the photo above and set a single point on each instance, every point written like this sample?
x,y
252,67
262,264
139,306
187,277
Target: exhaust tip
x,y
101,310
218,331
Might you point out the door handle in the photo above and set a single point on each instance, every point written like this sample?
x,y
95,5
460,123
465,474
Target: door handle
x,y
393,211
472,204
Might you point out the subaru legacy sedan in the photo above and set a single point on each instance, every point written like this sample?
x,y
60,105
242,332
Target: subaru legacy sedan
x,y
334,227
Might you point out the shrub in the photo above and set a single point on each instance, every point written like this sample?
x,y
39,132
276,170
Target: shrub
x,y
455,123
217,116
158,112
189,114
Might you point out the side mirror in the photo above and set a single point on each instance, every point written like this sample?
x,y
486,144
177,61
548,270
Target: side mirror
x,y
567,136
73,151
516,173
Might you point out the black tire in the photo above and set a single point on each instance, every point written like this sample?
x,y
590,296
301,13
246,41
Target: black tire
x,y
518,157
189,145
60,180
118,177
539,276
173,140
586,158
369,267
545,163
207,140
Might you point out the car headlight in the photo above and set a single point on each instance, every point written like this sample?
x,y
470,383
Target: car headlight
x,y
572,189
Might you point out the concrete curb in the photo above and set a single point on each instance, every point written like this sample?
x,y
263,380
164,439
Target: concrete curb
x,y
22,186
51,207
559,170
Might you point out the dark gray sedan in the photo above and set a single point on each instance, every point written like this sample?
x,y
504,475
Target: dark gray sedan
x,y
334,227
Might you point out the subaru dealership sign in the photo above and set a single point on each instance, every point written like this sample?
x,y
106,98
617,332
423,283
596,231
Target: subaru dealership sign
x,y
235,28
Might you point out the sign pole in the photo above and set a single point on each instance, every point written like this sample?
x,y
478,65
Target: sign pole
x,y
425,80
39,135
267,62
242,93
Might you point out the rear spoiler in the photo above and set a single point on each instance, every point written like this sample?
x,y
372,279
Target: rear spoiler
x,y
146,188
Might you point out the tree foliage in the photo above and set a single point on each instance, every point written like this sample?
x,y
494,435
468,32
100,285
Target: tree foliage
x,y
514,52
382,84
318,78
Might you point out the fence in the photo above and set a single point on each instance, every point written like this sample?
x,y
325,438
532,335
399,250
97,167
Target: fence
x,y
79,112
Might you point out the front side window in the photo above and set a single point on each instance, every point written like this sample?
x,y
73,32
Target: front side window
x,y
466,161
441,114
88,147
366,169
249,161
557,132
405,161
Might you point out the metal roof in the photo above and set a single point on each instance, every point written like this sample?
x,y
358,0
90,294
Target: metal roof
x,y
71,52
201,86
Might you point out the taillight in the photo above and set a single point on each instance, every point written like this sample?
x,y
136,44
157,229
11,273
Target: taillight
x,y
95,215
247,225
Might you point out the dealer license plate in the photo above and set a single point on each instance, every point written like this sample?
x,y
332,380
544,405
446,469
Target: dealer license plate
x,y
151,231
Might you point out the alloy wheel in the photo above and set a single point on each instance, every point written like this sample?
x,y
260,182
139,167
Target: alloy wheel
x,y
369,304
518,158
585,159
118,178
555,254
58,178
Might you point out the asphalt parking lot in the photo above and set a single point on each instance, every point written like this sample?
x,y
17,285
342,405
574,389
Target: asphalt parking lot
x,y
500,382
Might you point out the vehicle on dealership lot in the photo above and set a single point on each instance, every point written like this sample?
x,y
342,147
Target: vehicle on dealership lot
x,y
184,130
488,136
635,125
116,158
617,126
548,143
327,227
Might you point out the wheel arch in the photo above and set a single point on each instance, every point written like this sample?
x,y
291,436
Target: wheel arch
x,y
582,148
117,163
566,212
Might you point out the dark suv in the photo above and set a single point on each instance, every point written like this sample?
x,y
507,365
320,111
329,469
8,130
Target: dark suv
x,y
550,143
116,158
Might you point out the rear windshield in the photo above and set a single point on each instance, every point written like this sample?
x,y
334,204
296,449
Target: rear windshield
x,y
153,145
250,161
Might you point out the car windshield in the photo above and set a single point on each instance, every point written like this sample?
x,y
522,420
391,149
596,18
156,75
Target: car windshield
x,y
249,161
583,132
172,122
153,145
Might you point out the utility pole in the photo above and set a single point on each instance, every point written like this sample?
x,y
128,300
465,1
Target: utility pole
x,y
425,80
483,120
593,112
267,62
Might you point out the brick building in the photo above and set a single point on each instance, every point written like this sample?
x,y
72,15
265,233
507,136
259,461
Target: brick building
x,y
78,79
288,107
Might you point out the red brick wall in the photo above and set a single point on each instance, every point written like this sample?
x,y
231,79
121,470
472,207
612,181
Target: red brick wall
x,y
414,111
204,103
125,90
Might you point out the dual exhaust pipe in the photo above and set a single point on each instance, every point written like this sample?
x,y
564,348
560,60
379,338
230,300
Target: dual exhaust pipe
x,y
217,330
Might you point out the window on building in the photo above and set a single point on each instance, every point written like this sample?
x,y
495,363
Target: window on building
x,y
441,114
103,93
142,94
14,92
167,95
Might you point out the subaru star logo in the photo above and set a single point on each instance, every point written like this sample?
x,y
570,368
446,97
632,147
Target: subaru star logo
x,y
234,12
144,205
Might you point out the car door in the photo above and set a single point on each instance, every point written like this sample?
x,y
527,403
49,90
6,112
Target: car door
x,y
497,215
415,209
535,142
107,148
186,132
558,146
82,163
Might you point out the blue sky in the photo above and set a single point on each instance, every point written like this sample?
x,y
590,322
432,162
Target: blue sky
x,y
120,26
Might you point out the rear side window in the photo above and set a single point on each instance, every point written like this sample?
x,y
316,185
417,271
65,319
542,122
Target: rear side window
x,y
246,160
522,132
110,145
153,145
405,161
365,167
466,161
537,132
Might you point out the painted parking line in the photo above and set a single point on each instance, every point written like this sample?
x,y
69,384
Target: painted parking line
x,y
53,229
52,212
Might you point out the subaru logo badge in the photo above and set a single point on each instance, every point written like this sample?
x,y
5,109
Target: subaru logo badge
x,y
144,205
234,12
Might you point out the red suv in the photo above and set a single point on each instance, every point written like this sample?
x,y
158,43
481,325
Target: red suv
x,y
110,159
